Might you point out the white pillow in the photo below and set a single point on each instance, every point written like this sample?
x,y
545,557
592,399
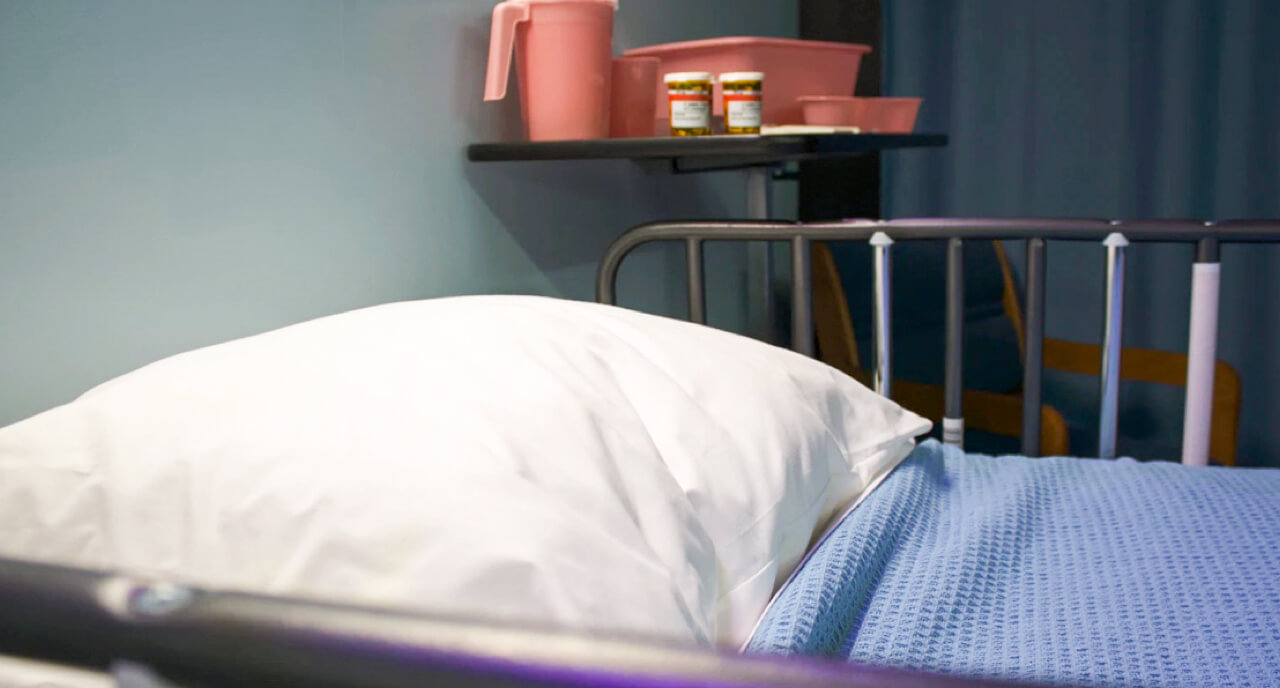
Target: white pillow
x,y
513,458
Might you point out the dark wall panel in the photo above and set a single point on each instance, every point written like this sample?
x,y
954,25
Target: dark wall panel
x,y
844,188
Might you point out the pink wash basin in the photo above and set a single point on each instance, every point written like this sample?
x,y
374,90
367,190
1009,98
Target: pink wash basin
x,y
834,111
883,115
792,68
893,115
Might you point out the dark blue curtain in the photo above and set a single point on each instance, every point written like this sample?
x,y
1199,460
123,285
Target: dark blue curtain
x,y
1108,108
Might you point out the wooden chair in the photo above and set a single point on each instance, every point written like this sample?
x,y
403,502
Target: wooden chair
x,y
1001,413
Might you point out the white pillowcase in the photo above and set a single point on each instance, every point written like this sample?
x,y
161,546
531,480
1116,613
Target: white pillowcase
x,y
512,458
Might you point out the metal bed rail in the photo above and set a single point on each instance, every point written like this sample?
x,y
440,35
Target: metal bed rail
x,y
1112,235
156,634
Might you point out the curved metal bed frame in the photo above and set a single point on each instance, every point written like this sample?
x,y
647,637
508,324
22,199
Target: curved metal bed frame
x,y
1114,236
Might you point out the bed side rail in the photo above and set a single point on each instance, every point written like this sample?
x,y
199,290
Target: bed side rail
x,y
154,633
1113,235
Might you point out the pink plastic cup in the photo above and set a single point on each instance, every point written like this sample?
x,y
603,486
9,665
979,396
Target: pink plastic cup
x,y
563,51
632,94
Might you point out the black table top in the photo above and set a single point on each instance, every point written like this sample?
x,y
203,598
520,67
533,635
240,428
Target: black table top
x,y
700,153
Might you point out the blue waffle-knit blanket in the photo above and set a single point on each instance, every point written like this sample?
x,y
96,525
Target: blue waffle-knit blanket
x,y
1073,571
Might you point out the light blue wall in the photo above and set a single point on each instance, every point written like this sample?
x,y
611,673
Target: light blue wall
x,y
1099,108
177,173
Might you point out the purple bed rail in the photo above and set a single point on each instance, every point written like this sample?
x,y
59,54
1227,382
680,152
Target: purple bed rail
x,y
191,637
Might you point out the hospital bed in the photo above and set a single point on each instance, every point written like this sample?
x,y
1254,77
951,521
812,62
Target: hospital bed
x,y
952,563
999,569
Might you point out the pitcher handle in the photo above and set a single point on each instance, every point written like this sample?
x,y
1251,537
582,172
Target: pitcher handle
x,y
502,44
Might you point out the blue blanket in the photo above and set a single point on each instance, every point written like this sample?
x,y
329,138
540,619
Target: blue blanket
x,y
1073,571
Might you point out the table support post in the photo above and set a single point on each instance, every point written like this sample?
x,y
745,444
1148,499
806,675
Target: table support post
x,y
762,314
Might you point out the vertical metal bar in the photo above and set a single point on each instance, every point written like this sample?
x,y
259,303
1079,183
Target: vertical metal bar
x,y
607,278
801,296
762,315
953,414
1109,413
880,243
697,281
1197,419
1031,374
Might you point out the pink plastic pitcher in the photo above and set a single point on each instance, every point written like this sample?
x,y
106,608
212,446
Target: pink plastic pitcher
x,y
563,51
